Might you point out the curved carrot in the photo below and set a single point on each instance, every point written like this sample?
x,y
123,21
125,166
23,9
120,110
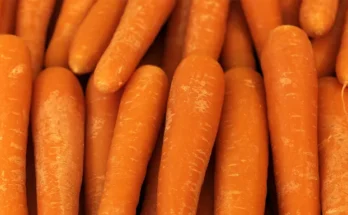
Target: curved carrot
x,y
8,16
206,27
139,25
206,196
58,132
138,122
237,50
190,131
32,21
101,116
262,17
333,147
16,83
318,16
94,35
290,10
292,114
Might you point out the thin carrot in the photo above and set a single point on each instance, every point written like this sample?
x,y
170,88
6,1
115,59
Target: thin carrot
x,y
94,35
262,17
138,122
206,197
8,16
333,147
292,113
192,119
318,16
101,116
58,132
237,50
139,25
32,21
290,10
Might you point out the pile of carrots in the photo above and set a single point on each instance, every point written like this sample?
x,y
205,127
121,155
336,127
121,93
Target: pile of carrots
x,y
173,107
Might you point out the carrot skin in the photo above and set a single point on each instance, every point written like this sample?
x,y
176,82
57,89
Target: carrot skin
x,y
290,10
8,16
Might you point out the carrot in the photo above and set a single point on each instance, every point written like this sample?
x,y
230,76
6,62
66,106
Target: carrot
x,y
8,16
317,16
262,17
206,197
139,25
206,27
15,79
242,146
237,50
58,132
292,113
333,148
290,10
101,115
32,21
326,48
138,122
94,35
190,131
175,37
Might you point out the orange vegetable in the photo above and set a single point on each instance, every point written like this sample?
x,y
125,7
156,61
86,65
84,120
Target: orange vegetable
x,y
290,10
206,197
7,16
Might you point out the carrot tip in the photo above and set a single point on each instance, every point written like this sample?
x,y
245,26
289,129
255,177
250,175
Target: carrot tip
x,y
342,98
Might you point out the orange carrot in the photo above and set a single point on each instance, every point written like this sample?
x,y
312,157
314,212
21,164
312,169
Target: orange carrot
x,y
318,16
206,27
292,112
237,50
242,146
190,131
139,25
8,16
101,115
262,17
138,122
58,132
333,147
94,35
32,21
206,197
175,37
290,10
341,62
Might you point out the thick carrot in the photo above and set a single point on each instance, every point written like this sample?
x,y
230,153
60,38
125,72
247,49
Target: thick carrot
x,y
94,35
8,16
58,132
262,17
101,116
206,27
237,50
341,61
292,113
242,146
175,37
16,83
206,197
318,16
138,122
139,25
190,131
33,17
290,10
333,147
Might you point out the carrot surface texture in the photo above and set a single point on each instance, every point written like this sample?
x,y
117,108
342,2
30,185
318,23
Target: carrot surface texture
x,y
192,119
58,132
139,25
242,146
33,17
138,122
94,34
15,88
101,116
8,16
291,93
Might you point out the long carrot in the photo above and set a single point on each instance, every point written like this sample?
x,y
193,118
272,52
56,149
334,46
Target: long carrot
x,y
262,17
33,17
94,34
190,131
138,122
206,197
318,16
242,146
237,50
139,25
206,27
291,91
101,116
333,147
8,16
58,132
16,83
290,10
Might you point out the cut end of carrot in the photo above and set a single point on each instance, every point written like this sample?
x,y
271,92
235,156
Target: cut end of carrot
x,y
342,97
